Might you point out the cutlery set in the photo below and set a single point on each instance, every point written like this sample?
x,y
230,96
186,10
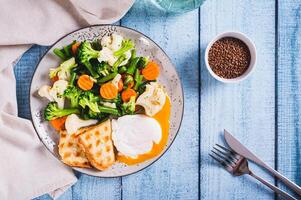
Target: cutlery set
x,y
235,161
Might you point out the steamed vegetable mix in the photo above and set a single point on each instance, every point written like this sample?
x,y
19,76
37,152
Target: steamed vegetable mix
x,y
102,78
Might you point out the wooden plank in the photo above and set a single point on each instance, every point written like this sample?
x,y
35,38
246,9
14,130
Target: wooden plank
x,y
175,175
245,109
89,187
289,90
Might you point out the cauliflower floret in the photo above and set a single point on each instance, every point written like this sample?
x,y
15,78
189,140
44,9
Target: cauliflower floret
x,y
153,99
111,44
55,93
73,123
113,41
116,79
63,71
44,92
106,55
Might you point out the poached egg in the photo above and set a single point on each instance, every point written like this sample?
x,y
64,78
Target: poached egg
x,y
134,135
161,118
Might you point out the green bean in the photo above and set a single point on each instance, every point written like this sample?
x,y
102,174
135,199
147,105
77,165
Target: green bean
x,y
67,50
118,62
72,78
113,111
59,53
133,65
138,79
108,77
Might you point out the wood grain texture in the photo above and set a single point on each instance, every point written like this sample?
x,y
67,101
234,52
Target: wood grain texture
x,y
289,90
245,109
175,175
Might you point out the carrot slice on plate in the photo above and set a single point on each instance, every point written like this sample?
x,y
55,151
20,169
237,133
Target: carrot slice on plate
x,y
108,91
74,47
151,71
58,123
127,94
85,82
55,78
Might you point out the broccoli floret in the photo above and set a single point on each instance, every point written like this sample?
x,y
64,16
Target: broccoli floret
x,y
85,53
128,108
72,93
88,99
52,111
93,115
117,100
142,62
63,71
103,69
125,46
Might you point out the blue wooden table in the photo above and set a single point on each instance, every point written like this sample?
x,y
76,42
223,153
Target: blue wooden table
x,y
262,111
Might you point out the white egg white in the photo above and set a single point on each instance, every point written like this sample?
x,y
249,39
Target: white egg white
x,y
134,135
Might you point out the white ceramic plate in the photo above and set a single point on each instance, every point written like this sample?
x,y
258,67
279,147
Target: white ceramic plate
x,y
146,47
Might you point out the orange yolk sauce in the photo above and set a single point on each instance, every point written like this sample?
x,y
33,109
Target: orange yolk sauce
x,y
163,118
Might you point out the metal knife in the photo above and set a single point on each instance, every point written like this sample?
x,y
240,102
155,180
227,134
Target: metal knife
x,y
236,146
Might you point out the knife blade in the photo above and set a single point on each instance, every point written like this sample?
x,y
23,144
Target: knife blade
x,y
239,148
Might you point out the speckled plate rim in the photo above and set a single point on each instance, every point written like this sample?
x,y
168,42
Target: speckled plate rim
x,y
181,85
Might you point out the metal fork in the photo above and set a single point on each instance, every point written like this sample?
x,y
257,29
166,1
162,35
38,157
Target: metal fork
x,y
237,165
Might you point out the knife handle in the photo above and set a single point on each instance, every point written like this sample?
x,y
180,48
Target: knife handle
x,y
284,180
274,188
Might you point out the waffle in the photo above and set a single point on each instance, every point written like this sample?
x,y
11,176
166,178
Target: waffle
x,y
70,150
98,146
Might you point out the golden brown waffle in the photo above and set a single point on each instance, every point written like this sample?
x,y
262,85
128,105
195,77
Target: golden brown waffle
x,y
70,150
98,146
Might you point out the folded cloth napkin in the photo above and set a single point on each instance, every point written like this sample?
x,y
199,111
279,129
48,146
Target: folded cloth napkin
x,y
28,170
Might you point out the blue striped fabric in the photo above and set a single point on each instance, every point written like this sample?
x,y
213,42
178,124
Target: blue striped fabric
x,y
24,71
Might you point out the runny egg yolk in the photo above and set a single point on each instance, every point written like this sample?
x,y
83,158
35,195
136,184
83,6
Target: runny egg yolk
x,y
163,118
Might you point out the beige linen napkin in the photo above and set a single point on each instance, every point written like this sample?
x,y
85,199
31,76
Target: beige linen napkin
x,y
27,169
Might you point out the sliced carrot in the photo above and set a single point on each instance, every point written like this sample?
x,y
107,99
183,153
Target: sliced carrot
x,y
58,123
127,94
151,71
108,91
120,85
74,47
130,84
56,78
85,82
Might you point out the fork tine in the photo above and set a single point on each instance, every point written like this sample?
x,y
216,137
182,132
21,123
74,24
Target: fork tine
x,y
228,154
224,158
224,148
235,155
218,160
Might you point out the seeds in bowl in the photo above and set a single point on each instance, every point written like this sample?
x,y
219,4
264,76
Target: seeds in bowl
x,y
229,57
